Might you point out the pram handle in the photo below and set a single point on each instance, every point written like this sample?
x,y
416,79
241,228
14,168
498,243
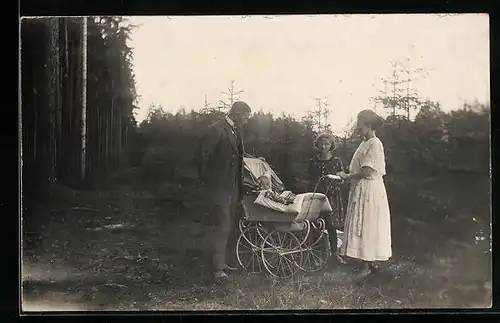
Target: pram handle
x,y
333,177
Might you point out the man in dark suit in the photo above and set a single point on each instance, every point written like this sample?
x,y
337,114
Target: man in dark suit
x,y
221,168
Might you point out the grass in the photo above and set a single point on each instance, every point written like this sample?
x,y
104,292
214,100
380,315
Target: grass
x,y
158,260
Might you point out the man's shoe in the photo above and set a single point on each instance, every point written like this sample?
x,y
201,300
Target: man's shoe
x,y
220,275
229,268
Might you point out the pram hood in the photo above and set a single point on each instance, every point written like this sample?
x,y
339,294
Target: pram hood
x,y
254,168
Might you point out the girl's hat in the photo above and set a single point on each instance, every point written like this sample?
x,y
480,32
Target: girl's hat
x,y
328,136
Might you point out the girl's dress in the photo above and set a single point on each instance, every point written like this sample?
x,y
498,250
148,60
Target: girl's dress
x,y
367,230
319,168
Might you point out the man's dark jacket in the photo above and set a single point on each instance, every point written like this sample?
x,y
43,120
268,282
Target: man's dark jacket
x,y
220,161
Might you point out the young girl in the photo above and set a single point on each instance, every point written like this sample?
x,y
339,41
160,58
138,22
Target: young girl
x,y
324,163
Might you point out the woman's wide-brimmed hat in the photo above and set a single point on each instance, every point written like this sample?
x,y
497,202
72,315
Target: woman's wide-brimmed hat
x,y
328,136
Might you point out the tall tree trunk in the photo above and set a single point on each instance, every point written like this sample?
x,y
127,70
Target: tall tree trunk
x,y
77,100
35,118
125,138
91,120
107,124
65,158
119,135
75,73
111,125
84,99
43,133
59,105
71,102
52,63
100,165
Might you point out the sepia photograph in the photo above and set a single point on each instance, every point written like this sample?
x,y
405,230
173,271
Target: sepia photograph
x,y
280,162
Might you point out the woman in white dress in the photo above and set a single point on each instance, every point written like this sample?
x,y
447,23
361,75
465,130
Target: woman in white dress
x,y
367,229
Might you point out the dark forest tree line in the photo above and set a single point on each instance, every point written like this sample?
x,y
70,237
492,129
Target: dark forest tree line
x,y
52,95
432,141
55,86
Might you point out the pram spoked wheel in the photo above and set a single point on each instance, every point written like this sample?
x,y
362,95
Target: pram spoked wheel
x,y
281,253
248,247
315,246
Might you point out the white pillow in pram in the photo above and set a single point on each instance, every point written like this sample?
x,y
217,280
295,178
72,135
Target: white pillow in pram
x,y
310,205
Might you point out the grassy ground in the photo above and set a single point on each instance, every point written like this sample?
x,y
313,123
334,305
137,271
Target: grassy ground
x,y
119,249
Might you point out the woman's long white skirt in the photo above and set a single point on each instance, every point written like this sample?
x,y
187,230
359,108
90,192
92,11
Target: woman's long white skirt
x,y
367,229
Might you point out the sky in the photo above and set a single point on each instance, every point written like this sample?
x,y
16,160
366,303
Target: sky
x,y
283,62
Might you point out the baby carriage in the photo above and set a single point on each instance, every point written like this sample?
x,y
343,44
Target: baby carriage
x,y
281,242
